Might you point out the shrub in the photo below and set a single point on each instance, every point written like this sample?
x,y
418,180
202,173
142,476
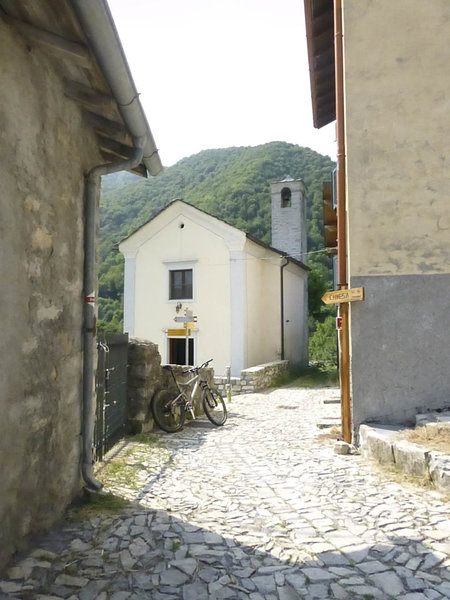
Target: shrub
x,y
323,342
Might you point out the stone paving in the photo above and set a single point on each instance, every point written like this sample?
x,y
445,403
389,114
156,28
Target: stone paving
x,y
260,509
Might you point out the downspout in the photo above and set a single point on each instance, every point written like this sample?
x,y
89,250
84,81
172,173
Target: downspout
x,y
282,267
342,283
91,197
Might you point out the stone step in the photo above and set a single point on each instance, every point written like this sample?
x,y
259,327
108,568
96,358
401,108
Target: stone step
x,y
328,422
333,400
433,417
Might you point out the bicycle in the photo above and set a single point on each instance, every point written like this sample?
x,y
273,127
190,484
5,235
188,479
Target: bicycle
x,y
170,410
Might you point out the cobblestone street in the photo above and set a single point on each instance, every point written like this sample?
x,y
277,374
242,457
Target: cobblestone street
x,y
260,509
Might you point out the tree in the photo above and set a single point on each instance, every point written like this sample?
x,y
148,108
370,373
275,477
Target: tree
x,y
232,184
323,342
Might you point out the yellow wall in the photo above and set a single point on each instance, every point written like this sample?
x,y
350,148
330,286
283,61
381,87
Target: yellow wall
x,y
398,142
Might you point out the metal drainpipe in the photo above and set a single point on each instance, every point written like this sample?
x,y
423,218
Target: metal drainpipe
x,y
282,304
344,363
92,190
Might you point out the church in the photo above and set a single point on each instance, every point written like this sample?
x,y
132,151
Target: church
x,y
201,288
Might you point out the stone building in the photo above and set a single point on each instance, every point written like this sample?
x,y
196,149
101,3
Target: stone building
x,y
69,112
378,69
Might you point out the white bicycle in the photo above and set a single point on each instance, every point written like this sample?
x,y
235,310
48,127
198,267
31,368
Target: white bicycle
x,y
170,409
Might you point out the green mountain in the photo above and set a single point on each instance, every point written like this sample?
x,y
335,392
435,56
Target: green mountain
x,y
232,184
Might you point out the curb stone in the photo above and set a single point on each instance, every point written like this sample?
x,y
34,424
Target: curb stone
x,y
383,445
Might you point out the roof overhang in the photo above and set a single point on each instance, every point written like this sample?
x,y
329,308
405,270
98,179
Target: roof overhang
x,y
319,20
81,38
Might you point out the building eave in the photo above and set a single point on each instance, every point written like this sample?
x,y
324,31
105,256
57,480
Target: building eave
x,y
80,39
291,259
99,28
319,21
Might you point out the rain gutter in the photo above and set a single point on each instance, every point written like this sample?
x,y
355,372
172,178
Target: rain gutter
x,y
282,267
100,31
98,27
91,198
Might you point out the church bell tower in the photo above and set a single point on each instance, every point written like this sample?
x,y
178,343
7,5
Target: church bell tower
x,y
289,217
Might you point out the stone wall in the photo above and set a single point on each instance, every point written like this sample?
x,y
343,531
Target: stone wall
x,y
146,376
253,379
289,222
45,151
237,385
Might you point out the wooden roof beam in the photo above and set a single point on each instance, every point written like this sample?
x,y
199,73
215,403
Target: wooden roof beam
x,y
57,45
322,42
322,22
112,158
113,147
327,190
87,96
324,60
326,102
106,127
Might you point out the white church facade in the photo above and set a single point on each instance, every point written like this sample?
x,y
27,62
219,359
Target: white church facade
x,y
249,299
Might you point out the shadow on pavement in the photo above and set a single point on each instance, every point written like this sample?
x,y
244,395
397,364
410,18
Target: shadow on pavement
x,y
150,554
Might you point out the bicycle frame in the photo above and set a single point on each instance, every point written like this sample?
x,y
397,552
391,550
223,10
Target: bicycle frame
x,y
169,410
188,399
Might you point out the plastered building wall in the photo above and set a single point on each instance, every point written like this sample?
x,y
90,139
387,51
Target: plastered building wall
x,y
170,246
397,143
398,153
263,308
236,289
43,154
295,315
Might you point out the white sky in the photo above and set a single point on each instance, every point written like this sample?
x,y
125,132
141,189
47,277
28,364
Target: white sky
x,y
220,73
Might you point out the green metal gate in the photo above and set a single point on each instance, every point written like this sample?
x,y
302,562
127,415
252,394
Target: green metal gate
x,y
111,388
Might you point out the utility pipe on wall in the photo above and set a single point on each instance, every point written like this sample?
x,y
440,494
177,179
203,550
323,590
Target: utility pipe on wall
x,y
282,304
344,363
92,193
340,138
99,29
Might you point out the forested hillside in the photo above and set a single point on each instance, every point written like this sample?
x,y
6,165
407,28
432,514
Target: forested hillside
x,y
232,184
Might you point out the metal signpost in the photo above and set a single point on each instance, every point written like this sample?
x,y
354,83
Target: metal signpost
x,y
189,320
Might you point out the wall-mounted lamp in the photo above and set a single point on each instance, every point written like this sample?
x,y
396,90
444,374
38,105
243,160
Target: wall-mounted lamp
x,y
178,307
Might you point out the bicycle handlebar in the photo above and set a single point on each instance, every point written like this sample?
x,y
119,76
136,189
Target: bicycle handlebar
x,y
196,369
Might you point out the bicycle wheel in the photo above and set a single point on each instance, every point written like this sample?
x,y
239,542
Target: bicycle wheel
x,y
214,406
169,416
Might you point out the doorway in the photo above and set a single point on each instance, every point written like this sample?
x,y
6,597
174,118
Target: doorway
x,y
177,351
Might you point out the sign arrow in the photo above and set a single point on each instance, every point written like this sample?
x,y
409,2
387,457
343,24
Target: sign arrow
x,y
339,296
188,319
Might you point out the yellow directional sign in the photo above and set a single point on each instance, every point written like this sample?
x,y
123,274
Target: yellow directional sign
x,y
339,296
177,332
